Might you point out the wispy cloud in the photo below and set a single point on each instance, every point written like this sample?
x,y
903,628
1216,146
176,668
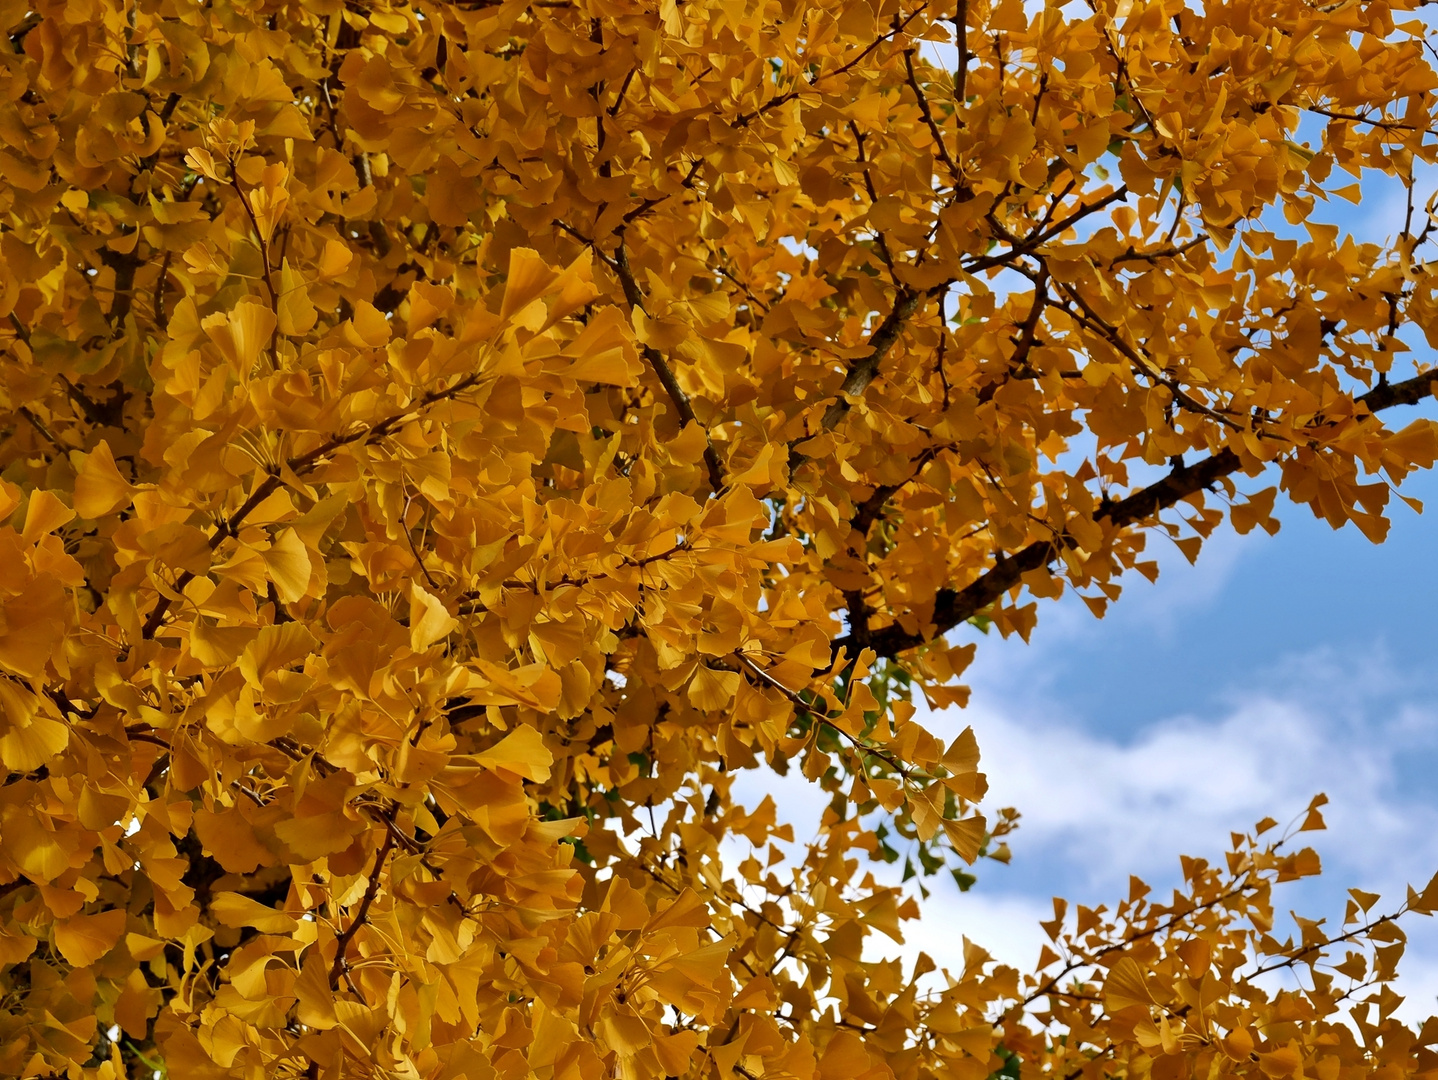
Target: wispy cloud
x,y
1102,808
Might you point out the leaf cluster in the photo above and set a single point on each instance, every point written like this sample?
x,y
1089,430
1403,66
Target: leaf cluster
x,y
444,442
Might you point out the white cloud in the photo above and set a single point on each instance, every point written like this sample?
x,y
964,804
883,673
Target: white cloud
x,y
1006,925
1097,808
1109,808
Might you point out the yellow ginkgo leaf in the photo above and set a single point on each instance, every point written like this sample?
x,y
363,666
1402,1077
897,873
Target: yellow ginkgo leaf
x,y
23,749
297,313
100,489
45,514
236,909
428,619
528,278
712,689
315,1007
521,752
83,939
213,646
231,840
273,648
289,566
1126,986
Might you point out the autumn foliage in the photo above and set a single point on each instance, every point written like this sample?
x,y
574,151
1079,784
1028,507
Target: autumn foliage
x,y
445,443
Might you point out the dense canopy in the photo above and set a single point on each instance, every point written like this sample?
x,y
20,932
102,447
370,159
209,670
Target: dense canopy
x,y
445,442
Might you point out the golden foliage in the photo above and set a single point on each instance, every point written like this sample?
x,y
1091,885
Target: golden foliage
x,y
445,442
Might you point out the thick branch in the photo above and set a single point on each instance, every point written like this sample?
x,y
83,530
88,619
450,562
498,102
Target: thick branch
x,y
123,292
1408,392
961,66
953,606
864,369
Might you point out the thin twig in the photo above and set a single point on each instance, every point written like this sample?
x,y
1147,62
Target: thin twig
x,y
264,262
1298,956
928,116
799,703
666,374
371,891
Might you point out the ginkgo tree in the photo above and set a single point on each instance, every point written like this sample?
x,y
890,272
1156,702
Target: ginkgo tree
x,y
444,443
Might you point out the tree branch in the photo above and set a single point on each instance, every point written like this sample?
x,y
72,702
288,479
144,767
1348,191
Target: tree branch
x,y
934,132
961,66
1357,118
1025,244
1246,885
745,119
297,465
1299,956
371,891
229,527
868,511
39,425
662,369
1027,338
862,373
265,261
1141,363
812,709
953,606
879,241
